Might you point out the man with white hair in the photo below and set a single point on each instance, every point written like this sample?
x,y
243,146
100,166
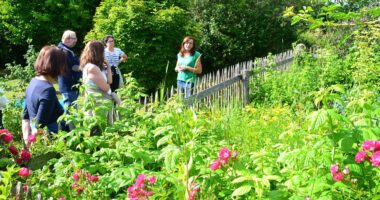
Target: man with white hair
x,y
72,74
69,80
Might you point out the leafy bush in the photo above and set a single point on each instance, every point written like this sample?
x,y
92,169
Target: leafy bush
x,y
149,32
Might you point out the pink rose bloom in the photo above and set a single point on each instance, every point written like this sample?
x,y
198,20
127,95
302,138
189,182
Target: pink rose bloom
x,y
375,159
224,154
369,145
334,169
94,178
145,193
87,175
360,156
133,192
377,145
62,198
152,180
25,188
7,137
25,155
140,180
24,172
79,190
3,131
338,176
13,150
76,176
19,160
75,185
31,138
215,165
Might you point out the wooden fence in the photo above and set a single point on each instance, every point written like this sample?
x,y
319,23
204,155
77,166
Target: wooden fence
x,y
228,86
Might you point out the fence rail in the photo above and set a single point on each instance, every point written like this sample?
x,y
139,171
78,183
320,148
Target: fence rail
x,y
229,85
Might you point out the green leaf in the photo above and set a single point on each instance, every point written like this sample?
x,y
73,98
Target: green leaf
x,y
317,119
242,179
164,140
242,190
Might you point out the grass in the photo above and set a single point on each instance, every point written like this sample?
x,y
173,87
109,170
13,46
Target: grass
x,y
15,90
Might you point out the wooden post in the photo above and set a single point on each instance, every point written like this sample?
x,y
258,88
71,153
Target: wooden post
x,y
245,87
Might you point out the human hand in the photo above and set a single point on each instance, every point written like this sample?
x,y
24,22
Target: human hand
x,y
182,68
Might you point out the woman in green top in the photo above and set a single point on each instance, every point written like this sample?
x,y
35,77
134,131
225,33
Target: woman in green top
x,y
188,66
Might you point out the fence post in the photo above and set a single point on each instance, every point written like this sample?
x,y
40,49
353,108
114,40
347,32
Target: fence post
x,y
245,87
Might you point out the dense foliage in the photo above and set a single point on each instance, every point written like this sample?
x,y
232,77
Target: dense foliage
x,y
148,31
42,21
312,132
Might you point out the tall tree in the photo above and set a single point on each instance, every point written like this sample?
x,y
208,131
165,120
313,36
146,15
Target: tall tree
x,y
43,21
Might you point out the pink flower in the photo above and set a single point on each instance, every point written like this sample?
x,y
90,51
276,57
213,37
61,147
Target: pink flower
x,y
360,156
307,198
334,169
24,172
346,171
7,137
195,187
79,190
25,188
377,145
140,180
19,160
338,176
145,193
152,180
31,138
235,154
224,154
25,155
76,176
62,198
75,185
215,165
375,159
94,178
369,145
13,150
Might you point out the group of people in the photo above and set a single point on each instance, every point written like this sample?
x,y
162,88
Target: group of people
x,y
98,68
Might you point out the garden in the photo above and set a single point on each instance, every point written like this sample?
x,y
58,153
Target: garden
x,y
310,132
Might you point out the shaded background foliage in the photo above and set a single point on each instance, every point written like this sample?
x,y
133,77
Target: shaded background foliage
x,y
150,31
43,22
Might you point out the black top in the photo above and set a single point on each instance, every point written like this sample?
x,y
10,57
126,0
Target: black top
x,y
41,103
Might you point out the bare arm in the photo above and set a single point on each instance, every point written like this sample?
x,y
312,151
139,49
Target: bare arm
x,y
196,70
177,66
96,76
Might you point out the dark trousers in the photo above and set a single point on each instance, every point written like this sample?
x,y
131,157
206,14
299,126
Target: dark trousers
x,y
1,120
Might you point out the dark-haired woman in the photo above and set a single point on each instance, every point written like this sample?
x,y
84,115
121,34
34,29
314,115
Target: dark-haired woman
x,y
188,66
114,56
41,102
